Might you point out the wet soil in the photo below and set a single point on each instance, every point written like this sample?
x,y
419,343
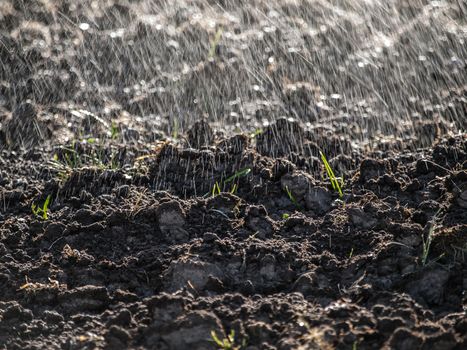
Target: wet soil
x,y
158,184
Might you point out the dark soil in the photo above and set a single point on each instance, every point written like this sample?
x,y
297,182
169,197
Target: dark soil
x,y
187,193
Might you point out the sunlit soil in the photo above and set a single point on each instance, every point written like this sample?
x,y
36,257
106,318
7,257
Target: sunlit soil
x,y
233,174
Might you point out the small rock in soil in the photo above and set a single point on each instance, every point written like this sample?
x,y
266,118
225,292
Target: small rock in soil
x,y
372,169
360,218
431,287
171,219
170,214
90,298
318,199
190,273
298,183
191,331
117,337
404,339
16,312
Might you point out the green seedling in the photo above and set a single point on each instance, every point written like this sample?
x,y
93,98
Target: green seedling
x,y
291,197
216,190
175,129
285,216
238,174
215,42
62,168
426,243
351,253
227,343
332,177
234,188
71,159
67,165
256,133
114,131
42,211
97,156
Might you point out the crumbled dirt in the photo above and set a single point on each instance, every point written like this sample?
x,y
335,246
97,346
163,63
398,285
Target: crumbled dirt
x,y
158,233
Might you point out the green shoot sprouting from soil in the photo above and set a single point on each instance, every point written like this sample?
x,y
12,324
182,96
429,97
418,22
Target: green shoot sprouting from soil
x,y
256,133
291,197
334,181
42,211
238,174
215,42
175,129
71,159
216,189
426,243
227,343
114,131
234,189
